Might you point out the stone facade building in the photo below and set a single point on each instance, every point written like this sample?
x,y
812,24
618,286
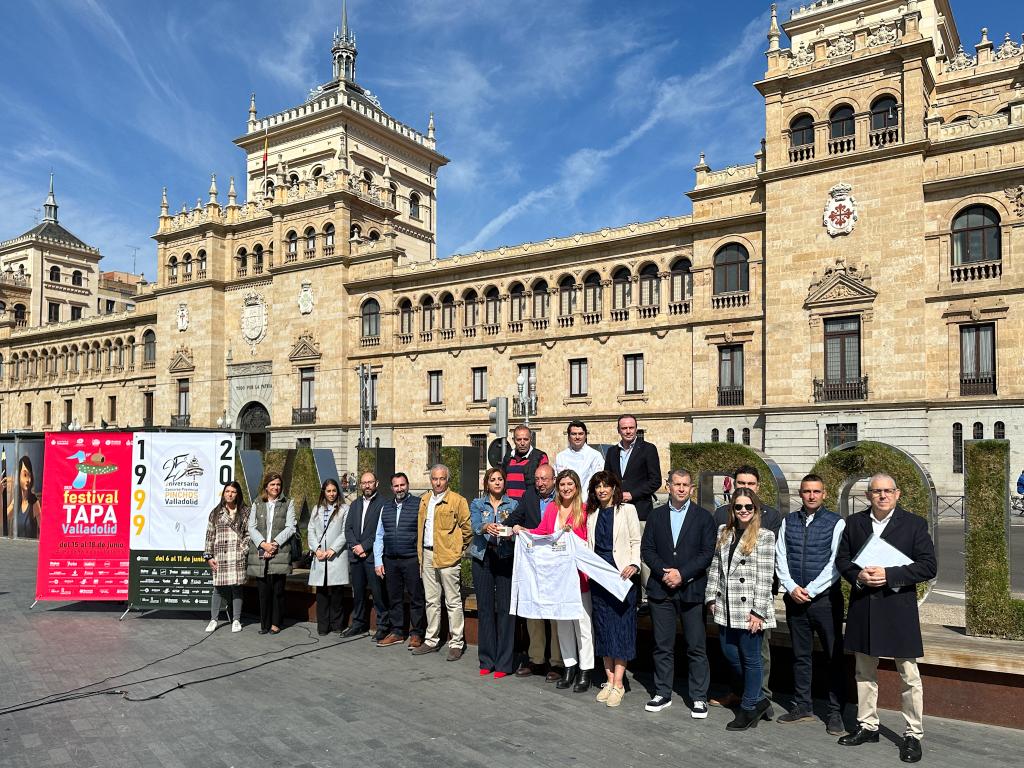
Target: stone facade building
x,y
856,281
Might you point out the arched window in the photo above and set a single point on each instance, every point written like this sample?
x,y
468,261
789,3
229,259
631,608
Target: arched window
x,y
172,266
978,432
841,122
187,265
405,317
241,262
292,243
329,236
293,180
566,296
317,172
374,236
3,307
999,430
801,131
621,293
592,293
73,359
714,435
650,286
730,435
76,278
540,300
427,308
414,205
884,113
681,280
371,318
355,232
149,347
269,188
201,258
731,269
257,259
516,303
393,195
746,435
368,178
447,312
55,274
492,306
976,235
471,306
310,235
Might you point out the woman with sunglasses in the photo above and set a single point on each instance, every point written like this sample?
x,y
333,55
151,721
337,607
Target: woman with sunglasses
x,y
739,596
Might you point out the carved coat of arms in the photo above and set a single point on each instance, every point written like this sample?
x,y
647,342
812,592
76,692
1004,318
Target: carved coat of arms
x,y
183,317
254,318
306,298
840,211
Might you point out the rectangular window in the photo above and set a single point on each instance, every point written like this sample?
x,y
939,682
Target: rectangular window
x,y
842,350
53,312
540,303
436,388
730,375
529,373
978,359
479,385
47,413
110,306
433,450
480,443
184,397
112,409
634,374
579,385
90,410
147,408
76,313
28,415
368,398
68,415
306,388
838,434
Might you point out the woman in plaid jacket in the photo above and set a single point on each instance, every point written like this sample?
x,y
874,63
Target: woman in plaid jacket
x,y
226,551
739,596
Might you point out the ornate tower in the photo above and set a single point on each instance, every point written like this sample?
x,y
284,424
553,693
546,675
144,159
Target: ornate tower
x,y
50,206
344,49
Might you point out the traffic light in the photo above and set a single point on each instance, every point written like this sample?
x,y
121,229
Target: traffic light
x,y
497,415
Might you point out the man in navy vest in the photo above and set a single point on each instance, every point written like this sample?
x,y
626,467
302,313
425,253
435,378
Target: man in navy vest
x,y
394,551
805,561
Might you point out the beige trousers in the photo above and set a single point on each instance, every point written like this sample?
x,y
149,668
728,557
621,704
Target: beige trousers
x,y
912,695
438,583
538,640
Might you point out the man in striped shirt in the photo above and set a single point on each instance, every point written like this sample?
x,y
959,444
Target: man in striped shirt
x,y
522,463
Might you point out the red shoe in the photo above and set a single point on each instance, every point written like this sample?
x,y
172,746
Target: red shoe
x,y
499,675
485,672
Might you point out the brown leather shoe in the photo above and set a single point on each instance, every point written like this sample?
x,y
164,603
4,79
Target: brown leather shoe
x,y
554,675
391,639
729,700
414,642
525,670
454,654
423,649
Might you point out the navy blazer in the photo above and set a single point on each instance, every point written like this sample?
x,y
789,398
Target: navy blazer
x,y
528,511
691,554
365,535
642,477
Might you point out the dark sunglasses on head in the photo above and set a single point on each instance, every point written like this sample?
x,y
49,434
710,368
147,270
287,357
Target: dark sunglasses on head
x,y
743,507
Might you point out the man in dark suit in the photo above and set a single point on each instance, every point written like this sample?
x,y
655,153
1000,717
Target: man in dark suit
x,y
747,476
528,513
360,531
882,619
678,545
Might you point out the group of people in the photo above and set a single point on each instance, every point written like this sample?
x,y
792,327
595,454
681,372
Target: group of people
x,y
683,563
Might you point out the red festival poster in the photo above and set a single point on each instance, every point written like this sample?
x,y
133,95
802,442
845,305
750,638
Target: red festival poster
x,y
86,511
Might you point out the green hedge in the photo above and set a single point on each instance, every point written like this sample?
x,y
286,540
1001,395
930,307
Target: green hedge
x,y
452,458
723,458
864,459
991,611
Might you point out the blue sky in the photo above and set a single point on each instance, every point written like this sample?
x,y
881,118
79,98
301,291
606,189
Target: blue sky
x,y
558,117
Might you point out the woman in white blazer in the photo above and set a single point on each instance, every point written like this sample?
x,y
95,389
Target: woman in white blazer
x,y
328,572
739,596
613,532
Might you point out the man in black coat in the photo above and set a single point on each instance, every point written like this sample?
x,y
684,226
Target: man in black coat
x,y
678,546
747,476
528,512
882,619
360,532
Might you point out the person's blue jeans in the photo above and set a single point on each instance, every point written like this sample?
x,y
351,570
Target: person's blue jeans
x,y
742,649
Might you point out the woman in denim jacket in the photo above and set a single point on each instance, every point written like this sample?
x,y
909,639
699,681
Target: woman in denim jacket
x,y
491,551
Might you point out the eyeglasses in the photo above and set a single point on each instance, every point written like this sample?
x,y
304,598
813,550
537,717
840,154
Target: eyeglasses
x,y
743,507
882,491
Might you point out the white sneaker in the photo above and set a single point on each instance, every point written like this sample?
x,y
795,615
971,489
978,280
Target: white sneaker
x,y
236,626
699,710
212,625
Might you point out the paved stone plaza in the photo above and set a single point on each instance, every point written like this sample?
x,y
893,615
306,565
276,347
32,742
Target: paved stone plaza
x,y
350,703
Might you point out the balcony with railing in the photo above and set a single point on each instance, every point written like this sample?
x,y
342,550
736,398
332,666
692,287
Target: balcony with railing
x,y
838,390
328,250
647,311
304,415
801,153
679,307
515,326
978,270
620,315
730,300
841,146
469,331
566,321
883,137
539,324
369,341
983,384
491,329
181,420
447,334
404,338
730,396
591,318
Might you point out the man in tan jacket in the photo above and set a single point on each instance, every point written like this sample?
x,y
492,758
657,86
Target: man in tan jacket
x,y
444,533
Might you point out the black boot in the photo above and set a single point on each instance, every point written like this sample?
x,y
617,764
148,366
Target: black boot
x,y
745,718
568,677
582,682
764,710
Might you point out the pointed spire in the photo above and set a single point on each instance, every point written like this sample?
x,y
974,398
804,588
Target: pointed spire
x,y
164,208
252,106
232,195
773,31
344,18
430,127
199,203
213,189
50,206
